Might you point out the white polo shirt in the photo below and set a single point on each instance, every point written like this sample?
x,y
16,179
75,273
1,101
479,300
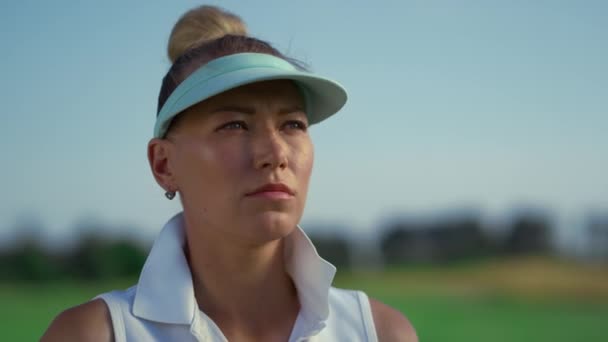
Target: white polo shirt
x,y
162,306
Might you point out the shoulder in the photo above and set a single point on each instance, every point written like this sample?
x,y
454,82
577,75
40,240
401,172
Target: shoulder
x,y
90,321
391,325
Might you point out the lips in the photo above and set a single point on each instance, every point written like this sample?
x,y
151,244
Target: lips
x,y
272,188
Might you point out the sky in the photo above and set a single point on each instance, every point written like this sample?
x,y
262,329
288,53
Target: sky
x,y
452,104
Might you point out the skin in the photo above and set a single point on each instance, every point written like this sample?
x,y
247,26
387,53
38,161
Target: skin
x,y
215,156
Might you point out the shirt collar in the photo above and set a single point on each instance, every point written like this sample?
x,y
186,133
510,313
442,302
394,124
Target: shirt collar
x,y
165,292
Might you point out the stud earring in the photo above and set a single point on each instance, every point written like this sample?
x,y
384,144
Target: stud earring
x,y
170,194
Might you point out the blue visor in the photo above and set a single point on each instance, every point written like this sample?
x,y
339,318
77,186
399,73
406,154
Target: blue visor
x,y
323,97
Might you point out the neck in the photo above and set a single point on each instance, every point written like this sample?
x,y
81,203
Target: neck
x,y
240,286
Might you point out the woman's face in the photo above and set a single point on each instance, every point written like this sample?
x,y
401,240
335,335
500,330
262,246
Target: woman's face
x,y
242,160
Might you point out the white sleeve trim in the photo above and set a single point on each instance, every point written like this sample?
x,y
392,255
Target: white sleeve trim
x,y
368,319
118,325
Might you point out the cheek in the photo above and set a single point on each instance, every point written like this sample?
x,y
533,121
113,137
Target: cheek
x,y
304,161
207,165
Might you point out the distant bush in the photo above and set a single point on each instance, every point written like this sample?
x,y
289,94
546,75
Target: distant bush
x,y
95,258
334,249
530,233
432,241
29,262
92,259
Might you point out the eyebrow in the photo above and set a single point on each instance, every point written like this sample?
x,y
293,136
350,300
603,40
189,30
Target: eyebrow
x,y
251,110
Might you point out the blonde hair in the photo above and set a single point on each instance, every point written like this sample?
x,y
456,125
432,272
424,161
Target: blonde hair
x,y
202,35
200,25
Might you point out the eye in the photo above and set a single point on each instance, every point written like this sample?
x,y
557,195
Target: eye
x,y
233,125
296,124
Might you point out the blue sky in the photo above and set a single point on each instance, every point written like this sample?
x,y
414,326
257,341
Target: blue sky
x,y
483,104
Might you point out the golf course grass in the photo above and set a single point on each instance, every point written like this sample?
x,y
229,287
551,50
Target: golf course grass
x,y
532,299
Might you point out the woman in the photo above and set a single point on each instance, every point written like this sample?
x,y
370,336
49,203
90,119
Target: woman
x,y
231,137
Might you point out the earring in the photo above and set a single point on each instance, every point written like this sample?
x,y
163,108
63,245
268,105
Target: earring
x,y
170,194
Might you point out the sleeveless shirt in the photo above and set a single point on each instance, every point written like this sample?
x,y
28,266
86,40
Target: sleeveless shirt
x,y
162,306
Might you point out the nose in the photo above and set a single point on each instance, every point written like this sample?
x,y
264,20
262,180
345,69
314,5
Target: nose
x,y
270,151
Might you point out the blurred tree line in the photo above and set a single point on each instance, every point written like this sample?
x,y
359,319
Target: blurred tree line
x,y
440,240
403,241
93,258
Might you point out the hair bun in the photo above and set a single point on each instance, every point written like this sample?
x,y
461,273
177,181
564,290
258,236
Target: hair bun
x,y
200,25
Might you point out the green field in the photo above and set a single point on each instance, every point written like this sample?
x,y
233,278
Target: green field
x,y
529,300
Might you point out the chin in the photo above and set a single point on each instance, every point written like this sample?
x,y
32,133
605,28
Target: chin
x,y
269,226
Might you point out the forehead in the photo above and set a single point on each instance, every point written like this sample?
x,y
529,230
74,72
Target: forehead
x,y
275,93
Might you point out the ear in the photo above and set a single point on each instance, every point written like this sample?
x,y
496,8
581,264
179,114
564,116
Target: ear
x,y
159,151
